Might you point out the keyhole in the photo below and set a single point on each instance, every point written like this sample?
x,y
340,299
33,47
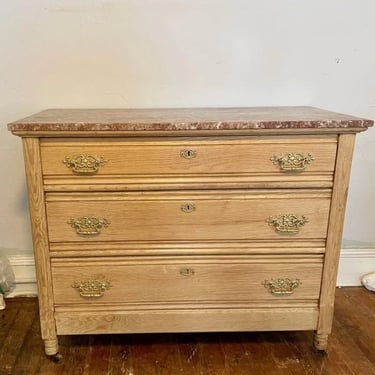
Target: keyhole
x,y
188,207
188,154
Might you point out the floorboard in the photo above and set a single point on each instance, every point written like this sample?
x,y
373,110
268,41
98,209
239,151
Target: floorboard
x,y
351,349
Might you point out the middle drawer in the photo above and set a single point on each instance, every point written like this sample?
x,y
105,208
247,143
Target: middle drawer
x,y
188,216
195,280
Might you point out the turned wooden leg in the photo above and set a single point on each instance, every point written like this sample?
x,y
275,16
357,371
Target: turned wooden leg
x,y
321,341
51,347
52,350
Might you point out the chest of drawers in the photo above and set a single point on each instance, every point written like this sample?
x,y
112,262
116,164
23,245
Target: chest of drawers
x,y
183,220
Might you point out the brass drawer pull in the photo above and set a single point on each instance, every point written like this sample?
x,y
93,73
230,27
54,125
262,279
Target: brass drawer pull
x,y
88,225
282,286
84,164
293,161
188,154
187,271
188,207
92,288
288,223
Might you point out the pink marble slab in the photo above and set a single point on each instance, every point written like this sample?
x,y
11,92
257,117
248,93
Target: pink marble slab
x,y
186,119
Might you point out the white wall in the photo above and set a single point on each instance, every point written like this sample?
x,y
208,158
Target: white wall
x,y
168,53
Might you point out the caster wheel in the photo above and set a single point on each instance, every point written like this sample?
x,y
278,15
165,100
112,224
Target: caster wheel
x,y
322,352
56,358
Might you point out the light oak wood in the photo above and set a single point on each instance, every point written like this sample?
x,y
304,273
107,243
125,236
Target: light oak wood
x,y
40,242
168,281
334,238
275,319
283,247
119,183
178,305
321,341
211,157
229,162
187,245
51,347
238,215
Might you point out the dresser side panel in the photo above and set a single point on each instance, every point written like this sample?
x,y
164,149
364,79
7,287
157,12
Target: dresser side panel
x,y
40,236
335,230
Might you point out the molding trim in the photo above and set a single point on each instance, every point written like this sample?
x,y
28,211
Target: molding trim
x,y
354,263
24,271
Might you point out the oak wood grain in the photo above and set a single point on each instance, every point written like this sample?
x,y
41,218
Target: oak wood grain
x,y
230,215
198,283
334,235
188,320
40,239
210,157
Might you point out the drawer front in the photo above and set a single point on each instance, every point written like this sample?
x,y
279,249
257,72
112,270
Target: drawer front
x,y
184,216
278,156
153,281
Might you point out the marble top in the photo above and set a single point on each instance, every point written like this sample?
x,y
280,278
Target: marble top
x,y
175,119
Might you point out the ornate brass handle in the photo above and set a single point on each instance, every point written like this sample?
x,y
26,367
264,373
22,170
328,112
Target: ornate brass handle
x,y
91,288
188,207
188,154
84,164
282,286
88,225
187,271
293,161
288,223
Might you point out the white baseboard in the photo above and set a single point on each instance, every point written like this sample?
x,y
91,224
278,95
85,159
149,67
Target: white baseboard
x,y
24,270
354,263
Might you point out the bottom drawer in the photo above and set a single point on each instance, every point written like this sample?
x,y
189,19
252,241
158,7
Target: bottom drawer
x,y
163,281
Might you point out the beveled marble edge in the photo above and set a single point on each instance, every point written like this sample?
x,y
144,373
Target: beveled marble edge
x,y
185,119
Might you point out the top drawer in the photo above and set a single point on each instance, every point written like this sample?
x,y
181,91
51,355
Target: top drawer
x,y
243,161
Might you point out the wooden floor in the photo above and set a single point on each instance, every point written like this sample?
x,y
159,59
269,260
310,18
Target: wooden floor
x,y
351,347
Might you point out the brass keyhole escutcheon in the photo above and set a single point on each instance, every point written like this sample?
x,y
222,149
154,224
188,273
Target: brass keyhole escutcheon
x,y
188,207
187,271
188,154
